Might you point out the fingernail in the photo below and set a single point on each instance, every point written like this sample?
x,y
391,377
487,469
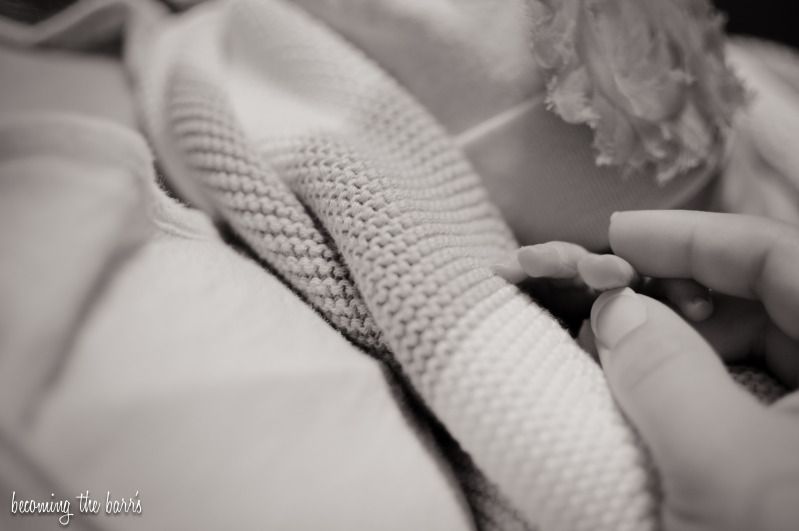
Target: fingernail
x,y
605,272
615,315
510,270
697,310
539,261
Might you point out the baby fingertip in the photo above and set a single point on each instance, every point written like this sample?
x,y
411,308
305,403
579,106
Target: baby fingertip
x,y
606,272
510,270
542,260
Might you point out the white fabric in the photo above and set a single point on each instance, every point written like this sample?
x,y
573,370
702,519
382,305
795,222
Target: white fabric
x,y
199,380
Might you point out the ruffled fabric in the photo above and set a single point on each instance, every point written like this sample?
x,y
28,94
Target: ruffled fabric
x,y
649,77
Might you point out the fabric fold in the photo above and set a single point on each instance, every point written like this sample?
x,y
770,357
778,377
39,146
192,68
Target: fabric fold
x,y
414,228
72,240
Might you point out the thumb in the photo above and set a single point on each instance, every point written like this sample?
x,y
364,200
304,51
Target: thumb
x,y
672,386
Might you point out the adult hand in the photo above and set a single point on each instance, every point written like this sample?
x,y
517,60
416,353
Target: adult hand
x,y
726,461
567,278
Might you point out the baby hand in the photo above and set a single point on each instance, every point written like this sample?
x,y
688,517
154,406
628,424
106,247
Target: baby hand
x,y
570,267
567,261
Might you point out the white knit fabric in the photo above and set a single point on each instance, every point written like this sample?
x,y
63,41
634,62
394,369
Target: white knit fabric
x,y
411,222
350,191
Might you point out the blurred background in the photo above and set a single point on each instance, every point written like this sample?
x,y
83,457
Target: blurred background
x,y
772,19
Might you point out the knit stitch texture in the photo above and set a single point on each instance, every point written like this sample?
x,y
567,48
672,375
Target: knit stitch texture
x,y
379,222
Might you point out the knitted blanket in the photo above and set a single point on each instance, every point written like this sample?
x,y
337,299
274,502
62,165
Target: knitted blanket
x,y
344,186
351,192
348,189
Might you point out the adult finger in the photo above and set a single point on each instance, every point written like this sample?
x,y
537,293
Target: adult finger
x,y
737,255
673,387
691,298
781,356
740,328
736,329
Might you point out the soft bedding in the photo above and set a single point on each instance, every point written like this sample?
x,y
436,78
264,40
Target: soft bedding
x,y
188,378
278,375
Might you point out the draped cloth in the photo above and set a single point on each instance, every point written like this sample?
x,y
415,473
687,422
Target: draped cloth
x,y
348,189
352,192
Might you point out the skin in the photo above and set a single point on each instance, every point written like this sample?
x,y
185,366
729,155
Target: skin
x,y
566,278
726,461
